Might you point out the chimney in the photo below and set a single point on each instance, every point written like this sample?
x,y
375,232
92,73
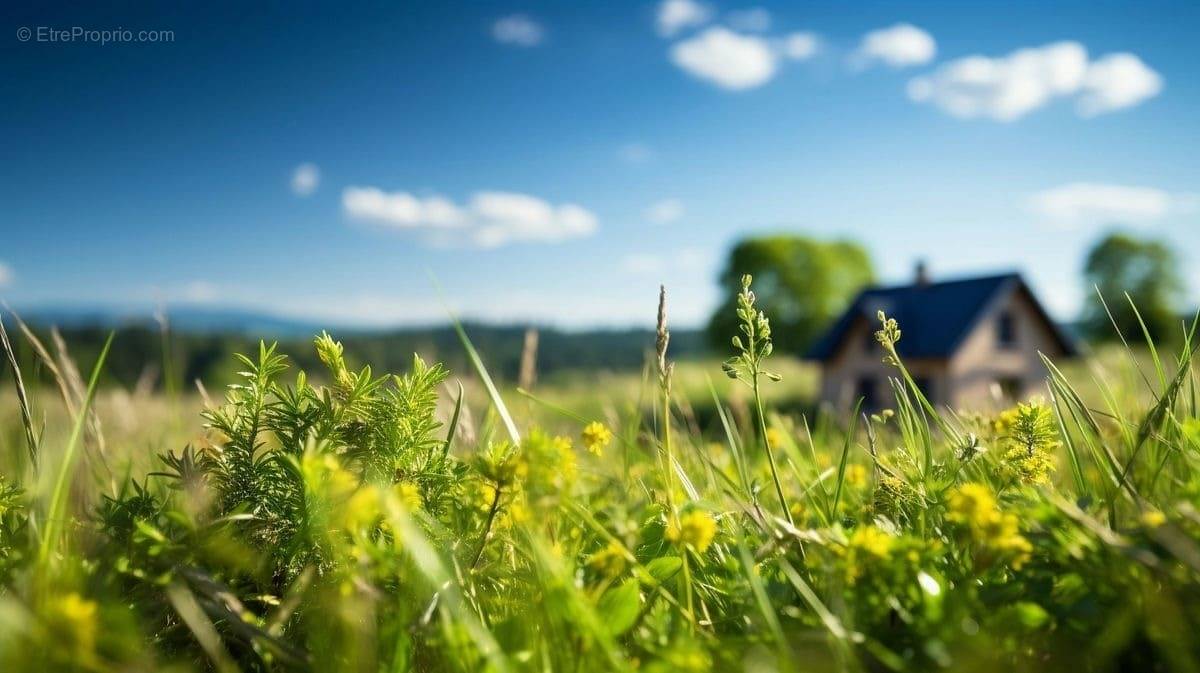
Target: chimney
x,y
921,274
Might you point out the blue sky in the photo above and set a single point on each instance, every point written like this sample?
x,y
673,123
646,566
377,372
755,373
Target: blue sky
x,y
556,161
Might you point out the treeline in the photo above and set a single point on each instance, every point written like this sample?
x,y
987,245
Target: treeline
x,y
141,352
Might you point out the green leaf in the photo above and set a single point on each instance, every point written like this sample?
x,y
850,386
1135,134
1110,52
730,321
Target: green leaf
x,y
618,608
664,568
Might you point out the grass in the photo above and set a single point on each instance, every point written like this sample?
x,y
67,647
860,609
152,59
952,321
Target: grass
x,y
358,521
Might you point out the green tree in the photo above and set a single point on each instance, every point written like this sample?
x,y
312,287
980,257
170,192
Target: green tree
x,y
1148,272
801,283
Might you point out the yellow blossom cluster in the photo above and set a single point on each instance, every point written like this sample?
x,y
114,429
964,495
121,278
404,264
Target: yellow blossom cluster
x,y
609,561
871,541
547,464
994,534
72,622
1029,433
695,529
595,437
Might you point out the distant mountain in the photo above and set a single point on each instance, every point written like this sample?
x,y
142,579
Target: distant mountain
x,y
203,341
182,318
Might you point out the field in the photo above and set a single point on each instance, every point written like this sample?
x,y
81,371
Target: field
x,y
696,516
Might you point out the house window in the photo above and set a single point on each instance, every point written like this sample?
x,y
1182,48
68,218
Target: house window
x,y
1010,388
1006,330
866,390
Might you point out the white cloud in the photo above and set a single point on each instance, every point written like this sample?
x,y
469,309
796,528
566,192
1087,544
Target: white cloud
x,y
6,274
753,20
636,153
800,46
519,30
665,211
898,46
727,59
1009,87
1117,81
490,219
1086,203
305,179
199,292
676,15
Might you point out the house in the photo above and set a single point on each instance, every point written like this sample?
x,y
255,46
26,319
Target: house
x,y
968,343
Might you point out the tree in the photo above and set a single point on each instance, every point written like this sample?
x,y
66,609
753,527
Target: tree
x,y
1148,272
801,283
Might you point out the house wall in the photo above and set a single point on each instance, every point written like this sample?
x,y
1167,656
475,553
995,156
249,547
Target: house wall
x,y
982,363
855,362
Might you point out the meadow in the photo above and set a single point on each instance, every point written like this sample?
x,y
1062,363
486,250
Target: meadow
x,y
696,516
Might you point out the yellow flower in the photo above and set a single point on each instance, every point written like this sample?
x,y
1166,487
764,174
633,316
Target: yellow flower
x,y
856,475
409,494
609,561
774,437
1153,518
595,437
995,534
872,541
893,496
972,504
797,510
518,511
695,529
487,494
1031,435
72,622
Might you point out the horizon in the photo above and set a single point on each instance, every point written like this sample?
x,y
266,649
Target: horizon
x,y
549,164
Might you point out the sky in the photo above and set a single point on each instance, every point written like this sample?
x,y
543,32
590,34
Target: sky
x,y
383,163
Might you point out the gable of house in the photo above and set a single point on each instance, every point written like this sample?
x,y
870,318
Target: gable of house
x,y
960,339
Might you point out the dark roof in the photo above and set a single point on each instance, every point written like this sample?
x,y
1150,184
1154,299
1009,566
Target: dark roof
x,y
934,318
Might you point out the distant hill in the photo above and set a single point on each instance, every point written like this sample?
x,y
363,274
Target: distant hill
x,y
183,318
203,341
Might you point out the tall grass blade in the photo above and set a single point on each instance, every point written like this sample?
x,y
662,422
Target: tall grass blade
x,y
31,441
58,497
493,393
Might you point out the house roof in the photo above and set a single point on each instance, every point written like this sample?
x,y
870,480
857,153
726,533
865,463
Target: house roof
x,y
934,318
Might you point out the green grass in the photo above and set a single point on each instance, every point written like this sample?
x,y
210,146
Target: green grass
x,y
335,523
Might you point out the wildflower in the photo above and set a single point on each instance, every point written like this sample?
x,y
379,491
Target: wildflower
x,y
519,512
1002,537
1032,438
609,561
797,510
972,505
548,464
72,623
1153,518
856,475
887,337
971,448
565,463
487,494
774,437
330,353
994,534
892,496
595,437
883,416
695,529
409,494
872,541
